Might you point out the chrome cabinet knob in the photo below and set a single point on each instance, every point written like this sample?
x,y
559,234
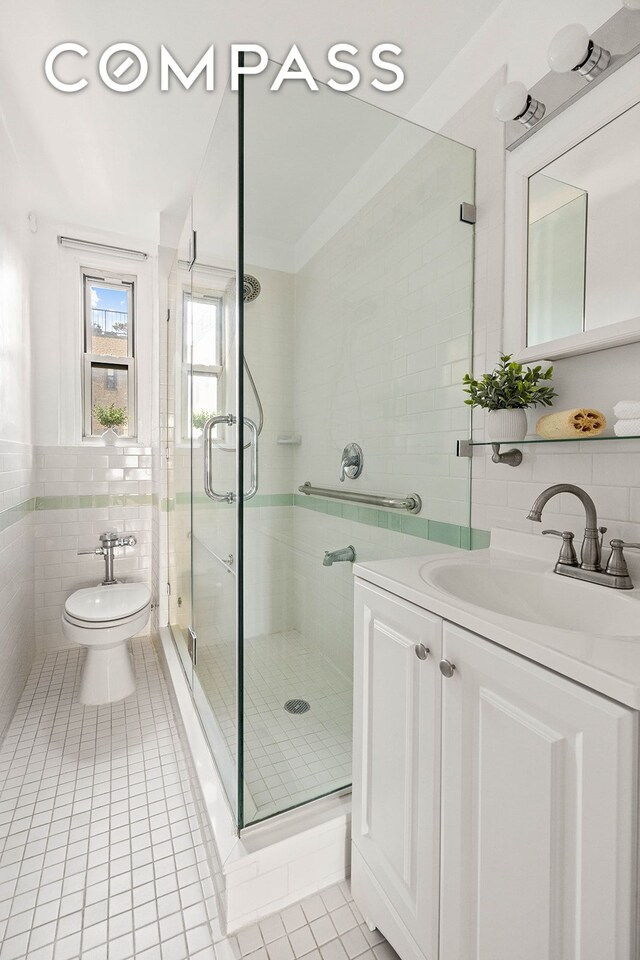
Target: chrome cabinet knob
x,y
446,668
422,652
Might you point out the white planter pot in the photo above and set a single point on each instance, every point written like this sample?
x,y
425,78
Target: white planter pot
x,y
506,425
110,437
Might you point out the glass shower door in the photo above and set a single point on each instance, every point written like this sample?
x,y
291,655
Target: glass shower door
x,y
213,318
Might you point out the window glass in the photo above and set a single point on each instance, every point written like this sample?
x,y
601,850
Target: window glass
x,y
109,399
204,327
108,363
204,399
110,308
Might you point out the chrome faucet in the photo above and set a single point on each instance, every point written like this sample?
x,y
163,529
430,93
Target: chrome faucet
x,y
589,567
344,554
590,553
108,542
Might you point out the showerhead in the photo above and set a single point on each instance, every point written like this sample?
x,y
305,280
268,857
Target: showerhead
x,y
250,288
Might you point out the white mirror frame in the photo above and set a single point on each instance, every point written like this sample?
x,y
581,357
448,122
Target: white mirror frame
x,y
606,102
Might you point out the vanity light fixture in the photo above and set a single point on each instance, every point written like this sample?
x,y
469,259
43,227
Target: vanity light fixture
x,y
572,49
514,102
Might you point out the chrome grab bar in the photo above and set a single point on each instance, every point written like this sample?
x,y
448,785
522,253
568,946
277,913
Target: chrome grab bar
x,y
412,503
229,496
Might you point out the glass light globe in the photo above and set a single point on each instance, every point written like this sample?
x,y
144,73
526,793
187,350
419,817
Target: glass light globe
x,y
510,101
569,48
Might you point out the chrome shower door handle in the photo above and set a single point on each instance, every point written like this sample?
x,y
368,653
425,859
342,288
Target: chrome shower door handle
x,y
212,422
253,444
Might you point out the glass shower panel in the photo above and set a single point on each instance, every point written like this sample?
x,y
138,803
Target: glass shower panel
x,y
360,332
212,323
179,446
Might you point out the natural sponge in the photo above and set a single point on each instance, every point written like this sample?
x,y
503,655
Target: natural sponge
x,y
580,422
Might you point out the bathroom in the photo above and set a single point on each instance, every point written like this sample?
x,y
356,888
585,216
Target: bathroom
x,y
288,669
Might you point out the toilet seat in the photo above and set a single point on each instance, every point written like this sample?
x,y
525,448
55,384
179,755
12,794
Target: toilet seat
x,y
117,603
102,624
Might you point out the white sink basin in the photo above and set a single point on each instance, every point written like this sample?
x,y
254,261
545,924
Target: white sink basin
x,y
534,594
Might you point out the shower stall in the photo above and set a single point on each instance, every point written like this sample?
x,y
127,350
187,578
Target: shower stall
x,y
321,298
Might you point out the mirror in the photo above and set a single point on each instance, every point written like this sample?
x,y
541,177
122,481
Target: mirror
x,y
583,235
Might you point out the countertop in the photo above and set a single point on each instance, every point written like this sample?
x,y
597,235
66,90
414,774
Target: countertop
x,y
609,665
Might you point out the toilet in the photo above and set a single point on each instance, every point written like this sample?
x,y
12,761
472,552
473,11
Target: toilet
x,y
103,619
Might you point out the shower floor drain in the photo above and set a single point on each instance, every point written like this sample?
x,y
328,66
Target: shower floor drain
x,y
297,706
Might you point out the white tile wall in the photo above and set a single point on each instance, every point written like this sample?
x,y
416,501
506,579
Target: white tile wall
x,y
68,472
383,337
17,647
610,472
17,641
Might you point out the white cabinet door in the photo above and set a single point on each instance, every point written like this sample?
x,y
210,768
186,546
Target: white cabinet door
x,y
395,826
539,809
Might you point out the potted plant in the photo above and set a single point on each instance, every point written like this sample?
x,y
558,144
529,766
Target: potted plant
x,y
505,394
110,417
200,417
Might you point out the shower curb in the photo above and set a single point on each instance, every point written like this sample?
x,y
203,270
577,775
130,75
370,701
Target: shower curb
x,y
273,864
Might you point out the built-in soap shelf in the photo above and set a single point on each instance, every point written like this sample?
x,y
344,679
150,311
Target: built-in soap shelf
x,y
513,457
289,439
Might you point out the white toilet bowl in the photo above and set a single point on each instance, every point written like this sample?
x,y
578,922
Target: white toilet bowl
x,y
103,619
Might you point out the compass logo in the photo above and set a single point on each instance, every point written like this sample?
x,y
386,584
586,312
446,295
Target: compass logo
x,y
124,67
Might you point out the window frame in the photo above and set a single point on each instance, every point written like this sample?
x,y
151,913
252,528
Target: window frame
x,y
90,360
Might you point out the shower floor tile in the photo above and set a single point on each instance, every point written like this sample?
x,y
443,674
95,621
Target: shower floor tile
x,y
289,758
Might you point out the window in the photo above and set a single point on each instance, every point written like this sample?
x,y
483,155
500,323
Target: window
x,y
108,362
202,352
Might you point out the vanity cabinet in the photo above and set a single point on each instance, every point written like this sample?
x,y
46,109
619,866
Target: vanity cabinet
x,y
494,810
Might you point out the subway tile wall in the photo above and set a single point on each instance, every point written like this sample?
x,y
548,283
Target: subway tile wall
x,y
17,637
608,471
81,492
383,338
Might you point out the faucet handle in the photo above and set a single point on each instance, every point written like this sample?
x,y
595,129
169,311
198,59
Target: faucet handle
x,y
616,564
622,543
567,550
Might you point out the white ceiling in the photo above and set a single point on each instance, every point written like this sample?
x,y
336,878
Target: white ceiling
x,y
113,161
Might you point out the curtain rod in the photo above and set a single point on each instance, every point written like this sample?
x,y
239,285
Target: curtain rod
x,y
103,248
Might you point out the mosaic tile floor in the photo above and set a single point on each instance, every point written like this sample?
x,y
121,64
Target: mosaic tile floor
x,y
101,856
289,759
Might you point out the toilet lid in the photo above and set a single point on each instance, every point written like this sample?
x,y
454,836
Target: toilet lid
x,y
113,602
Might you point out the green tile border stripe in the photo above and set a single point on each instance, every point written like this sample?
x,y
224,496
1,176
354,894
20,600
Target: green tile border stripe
x,y
83,502
435,530
16,513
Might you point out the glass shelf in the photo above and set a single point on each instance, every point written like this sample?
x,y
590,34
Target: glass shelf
x,y
598,439
513,456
